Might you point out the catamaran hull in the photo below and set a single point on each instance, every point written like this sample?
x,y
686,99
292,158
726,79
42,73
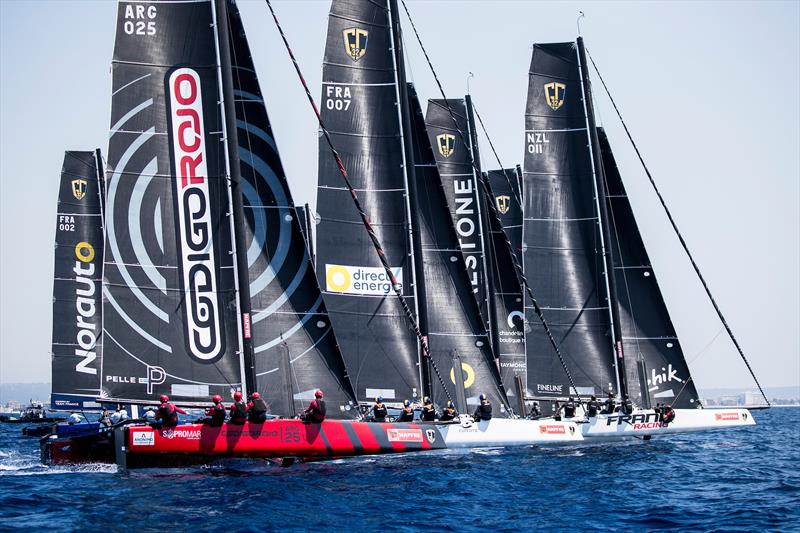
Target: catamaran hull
x,y
646,423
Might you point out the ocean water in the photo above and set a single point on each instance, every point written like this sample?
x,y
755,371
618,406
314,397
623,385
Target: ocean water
x,y
734,480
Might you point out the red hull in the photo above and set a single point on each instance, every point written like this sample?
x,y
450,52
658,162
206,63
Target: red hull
x,y
197,443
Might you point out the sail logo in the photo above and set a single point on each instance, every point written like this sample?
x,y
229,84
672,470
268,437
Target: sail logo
x,y
79,189
86,308
197,261
355,42
503,203
446,143
667,374
468,375
369,281
554,94
466,220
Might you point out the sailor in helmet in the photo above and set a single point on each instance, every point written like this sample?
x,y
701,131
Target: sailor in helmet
x,y
407,413
379,410
257,409
316,410
167,413
215,415
238,409
428,410
449,412
484,410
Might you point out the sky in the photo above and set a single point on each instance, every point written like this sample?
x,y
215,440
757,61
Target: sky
x,y
710,91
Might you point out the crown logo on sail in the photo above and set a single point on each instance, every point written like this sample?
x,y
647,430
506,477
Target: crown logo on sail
x,y
355,42
79,189
446,144
503,203
554,94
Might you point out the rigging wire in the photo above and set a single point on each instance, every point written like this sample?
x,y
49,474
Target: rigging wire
x,y
364,218
494,213
678,233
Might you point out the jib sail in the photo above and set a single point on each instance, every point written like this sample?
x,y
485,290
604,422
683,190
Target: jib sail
x,y
656,366
463,194
563,252
454,324
77,285
360,108
169,293
507,197
508,329
294,343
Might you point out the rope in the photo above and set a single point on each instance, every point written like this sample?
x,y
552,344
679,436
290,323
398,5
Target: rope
x,y
364,218
494,213
678,233
514,190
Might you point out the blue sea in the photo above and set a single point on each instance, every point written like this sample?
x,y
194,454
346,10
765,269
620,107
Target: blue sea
x,y
734,480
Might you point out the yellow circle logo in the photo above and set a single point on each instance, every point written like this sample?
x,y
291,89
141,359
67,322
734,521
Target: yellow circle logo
x,y
469,380
338,278
84,252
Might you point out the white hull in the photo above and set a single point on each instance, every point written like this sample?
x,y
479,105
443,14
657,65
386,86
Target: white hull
x,y
507,432
644,423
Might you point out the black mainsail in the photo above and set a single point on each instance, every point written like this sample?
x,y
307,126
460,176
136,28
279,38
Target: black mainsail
x,y
77,285
294,343
562,233
505,185
454,324
360,107
169,290
656,369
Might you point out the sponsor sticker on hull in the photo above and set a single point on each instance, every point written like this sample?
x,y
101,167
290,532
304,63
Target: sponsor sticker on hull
x,y
143,438
404,435
726,416
550,429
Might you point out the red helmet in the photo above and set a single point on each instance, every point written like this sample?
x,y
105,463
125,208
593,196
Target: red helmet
x,y
164,398
237,395
216,398
318,394
256,396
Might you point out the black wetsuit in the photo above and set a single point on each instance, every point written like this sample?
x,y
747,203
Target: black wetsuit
x,y
428,413
483,412
379,412
406,416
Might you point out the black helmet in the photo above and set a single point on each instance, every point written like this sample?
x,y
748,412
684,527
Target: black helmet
x,y
594,397
610,394
379,399
571,399
625,396
483,397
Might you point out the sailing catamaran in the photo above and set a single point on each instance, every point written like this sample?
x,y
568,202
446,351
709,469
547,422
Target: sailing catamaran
x,y
209,287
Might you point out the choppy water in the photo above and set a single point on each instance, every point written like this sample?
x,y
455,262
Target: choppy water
x,y
742,479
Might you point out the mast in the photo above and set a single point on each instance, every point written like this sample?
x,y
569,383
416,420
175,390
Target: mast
x,y
605,233
411,189
484,230
232,167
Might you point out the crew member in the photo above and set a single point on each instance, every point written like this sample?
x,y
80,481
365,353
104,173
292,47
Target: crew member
x,y
627,405
238,409
484,410
168,413
667,414
428,410
568,408
120,415
316,410
257,409
407,414
105,419
536,411
657,410
449,412
592,407
379,410
74,418
610,405
215,415
149,414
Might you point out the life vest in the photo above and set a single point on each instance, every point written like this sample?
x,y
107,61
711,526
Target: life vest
x,y
484,412
448,414
167,414
239,411
569,410
608,406
259,406
406,415
592,408
379,412
218,413
318,410
428,413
